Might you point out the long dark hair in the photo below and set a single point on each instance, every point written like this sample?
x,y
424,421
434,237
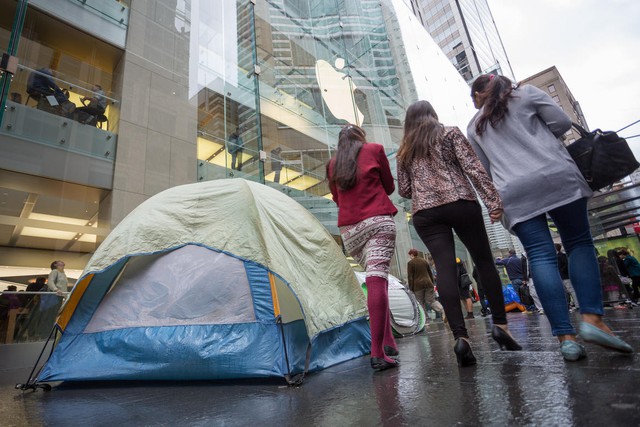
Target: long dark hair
x,y
345,163
493,93
421,130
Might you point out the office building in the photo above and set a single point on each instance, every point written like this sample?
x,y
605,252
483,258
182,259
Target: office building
x,y
467,34
551,82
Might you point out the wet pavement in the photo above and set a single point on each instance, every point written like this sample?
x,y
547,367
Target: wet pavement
x,y
532,387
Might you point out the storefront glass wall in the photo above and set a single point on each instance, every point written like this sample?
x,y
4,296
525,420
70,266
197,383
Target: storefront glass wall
x,y
317,65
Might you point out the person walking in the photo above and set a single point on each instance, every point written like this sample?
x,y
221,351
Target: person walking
x,y
360,181
485,310
563,266
421,281
435,167
633,269
515,134
464,284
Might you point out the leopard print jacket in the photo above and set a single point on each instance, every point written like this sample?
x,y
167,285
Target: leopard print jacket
x,y
447,175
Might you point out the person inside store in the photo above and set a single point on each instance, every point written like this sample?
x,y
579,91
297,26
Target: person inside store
x,y
236,147
436,169
360,180
8,301
40,285
276,163
57,281
515,134
50,97
93,106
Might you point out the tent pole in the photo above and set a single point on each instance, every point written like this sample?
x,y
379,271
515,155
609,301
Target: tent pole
x,y
31,383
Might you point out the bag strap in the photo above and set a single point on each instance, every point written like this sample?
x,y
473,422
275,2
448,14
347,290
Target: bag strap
x,y
582,131
586,163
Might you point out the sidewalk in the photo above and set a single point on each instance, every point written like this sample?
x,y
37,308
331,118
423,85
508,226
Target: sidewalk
x,y
532,387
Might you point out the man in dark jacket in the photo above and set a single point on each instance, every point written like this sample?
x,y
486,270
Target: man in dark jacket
x,y
513,265
420,281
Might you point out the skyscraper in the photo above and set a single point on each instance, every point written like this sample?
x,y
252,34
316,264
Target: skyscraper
x,y
467,34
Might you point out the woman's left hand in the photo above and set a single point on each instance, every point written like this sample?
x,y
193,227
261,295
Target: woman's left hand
x,y
495,215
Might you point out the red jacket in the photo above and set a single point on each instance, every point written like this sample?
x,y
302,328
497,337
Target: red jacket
x,y
370,196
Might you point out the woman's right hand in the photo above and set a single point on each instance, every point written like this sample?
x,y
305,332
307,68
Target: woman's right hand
x,y
495,215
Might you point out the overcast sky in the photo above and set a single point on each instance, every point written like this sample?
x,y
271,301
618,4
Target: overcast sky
x,y
595,44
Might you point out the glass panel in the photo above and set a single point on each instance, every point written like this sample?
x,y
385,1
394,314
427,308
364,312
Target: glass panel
x,y
27,315
113,10
224,85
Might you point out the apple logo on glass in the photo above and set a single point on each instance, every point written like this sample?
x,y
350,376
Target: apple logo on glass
x,y
337,90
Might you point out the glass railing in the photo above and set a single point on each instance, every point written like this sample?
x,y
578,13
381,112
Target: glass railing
x,y
115,11
27,316
219,158
298,174
56,112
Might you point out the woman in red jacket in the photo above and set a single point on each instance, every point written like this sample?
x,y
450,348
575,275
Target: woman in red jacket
x,y
360,180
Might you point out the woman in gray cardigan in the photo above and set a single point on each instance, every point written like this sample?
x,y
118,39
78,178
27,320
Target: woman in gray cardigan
x,y
515,135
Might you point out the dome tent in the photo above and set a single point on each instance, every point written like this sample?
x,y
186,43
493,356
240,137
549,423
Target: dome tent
x,y
214,280
407,315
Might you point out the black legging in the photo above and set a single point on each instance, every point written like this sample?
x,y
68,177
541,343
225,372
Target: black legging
x,y
435,226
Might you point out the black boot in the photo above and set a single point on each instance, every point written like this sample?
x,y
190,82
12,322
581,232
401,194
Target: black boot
x,y
463,352
504,340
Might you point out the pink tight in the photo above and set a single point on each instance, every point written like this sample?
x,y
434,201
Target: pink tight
x,y
379,315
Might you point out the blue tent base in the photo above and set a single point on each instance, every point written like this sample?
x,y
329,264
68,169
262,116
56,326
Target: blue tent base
x,y
202,352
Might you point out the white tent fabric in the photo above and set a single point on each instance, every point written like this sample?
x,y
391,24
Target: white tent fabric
x,y
407,315
250,221
189,286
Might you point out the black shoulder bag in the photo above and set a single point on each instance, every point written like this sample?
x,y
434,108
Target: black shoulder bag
x,y
602,157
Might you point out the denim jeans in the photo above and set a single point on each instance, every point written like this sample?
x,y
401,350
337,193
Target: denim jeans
x,y
573,225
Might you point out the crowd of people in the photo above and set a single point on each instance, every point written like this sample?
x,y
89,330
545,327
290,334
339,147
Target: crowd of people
x,y
50,97
514,161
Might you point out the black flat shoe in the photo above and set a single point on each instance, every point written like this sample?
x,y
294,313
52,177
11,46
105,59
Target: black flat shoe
x,y
390,351
379,364
504,340
463,352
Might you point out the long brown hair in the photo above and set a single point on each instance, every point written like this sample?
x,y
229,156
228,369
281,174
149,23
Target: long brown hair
x,y
494,93
345,163
421,130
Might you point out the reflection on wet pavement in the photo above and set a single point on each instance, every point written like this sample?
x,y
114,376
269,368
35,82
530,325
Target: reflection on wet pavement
x,y
532,387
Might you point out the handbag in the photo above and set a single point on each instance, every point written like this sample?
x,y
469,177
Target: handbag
x,y
602,157
525,295
465,280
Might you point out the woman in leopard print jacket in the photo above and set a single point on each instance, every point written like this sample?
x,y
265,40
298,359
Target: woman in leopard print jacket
x,y
436,170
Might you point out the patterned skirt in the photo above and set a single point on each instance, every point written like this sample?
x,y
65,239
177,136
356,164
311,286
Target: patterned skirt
x,y
371,243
